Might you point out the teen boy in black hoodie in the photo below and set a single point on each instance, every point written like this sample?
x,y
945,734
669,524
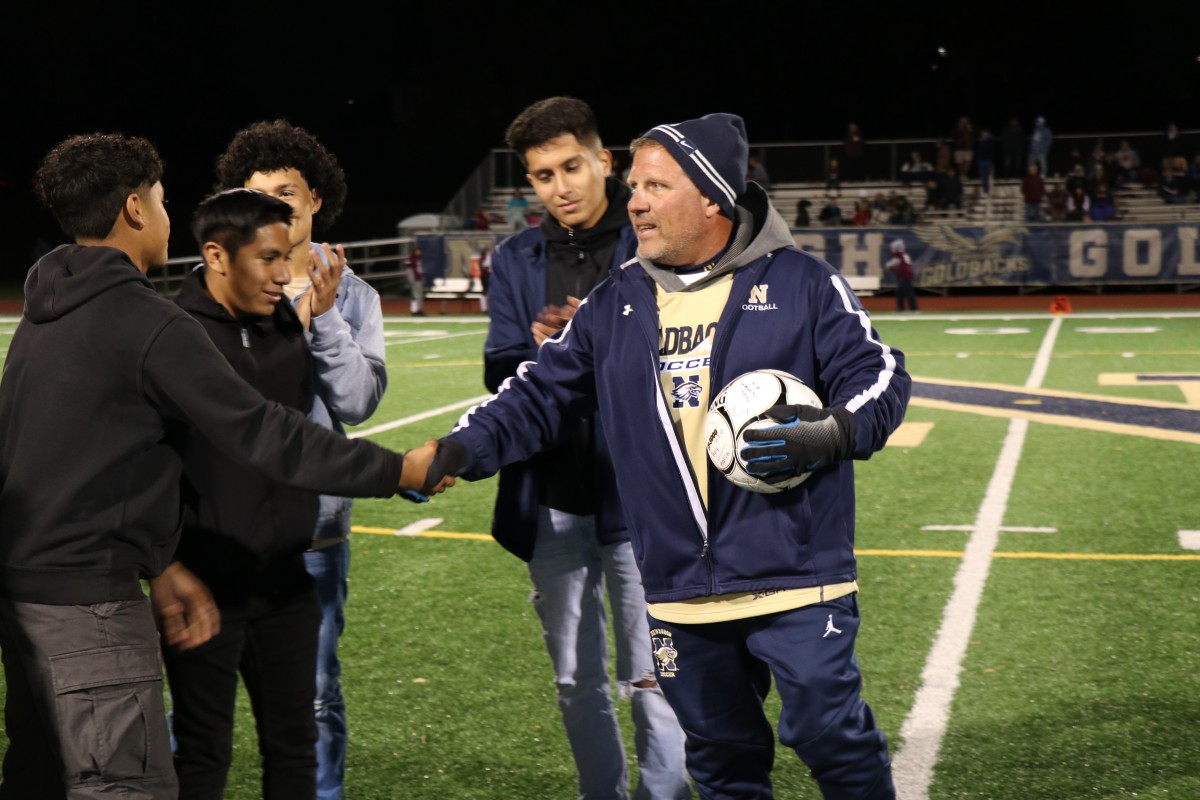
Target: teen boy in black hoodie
x,y
99,370
245,535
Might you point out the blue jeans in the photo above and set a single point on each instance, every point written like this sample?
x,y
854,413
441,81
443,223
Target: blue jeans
x,y
570,570
330,567
716,676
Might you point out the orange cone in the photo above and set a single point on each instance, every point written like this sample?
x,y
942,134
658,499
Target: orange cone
x,y
1061,305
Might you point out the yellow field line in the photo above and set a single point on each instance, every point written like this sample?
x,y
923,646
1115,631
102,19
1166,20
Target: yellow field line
x,y
1059,556
483,537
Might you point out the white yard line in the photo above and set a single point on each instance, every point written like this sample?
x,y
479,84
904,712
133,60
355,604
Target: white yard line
x,y
433,412
943,316
925,726
408,337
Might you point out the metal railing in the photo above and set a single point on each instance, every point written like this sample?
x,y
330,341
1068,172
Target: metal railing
x,y
381,262
800,162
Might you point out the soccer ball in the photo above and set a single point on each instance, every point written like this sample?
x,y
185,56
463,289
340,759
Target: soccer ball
x,y
742,406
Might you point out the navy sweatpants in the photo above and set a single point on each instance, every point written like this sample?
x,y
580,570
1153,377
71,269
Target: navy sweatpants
x,y
716,675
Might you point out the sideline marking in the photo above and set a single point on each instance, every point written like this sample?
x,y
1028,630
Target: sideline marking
x,y
393,338
925,726
419,528
971,316
416,530
1144,329
909,434
433,412
986,331
1152,419
1002,528
1189,540
1188,383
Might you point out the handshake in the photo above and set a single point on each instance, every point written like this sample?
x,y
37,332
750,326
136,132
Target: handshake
x,y
431,469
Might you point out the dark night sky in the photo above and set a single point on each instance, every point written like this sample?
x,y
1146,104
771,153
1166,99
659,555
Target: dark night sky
x,y
413,99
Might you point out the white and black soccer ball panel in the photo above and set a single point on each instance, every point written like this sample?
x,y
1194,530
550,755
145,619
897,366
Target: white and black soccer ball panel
x,y
740,406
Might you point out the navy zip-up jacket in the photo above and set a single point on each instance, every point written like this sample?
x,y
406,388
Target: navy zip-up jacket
x,y
516,295
805,320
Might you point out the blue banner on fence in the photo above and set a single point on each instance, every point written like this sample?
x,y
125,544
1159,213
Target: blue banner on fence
x,y
959,257
1018,255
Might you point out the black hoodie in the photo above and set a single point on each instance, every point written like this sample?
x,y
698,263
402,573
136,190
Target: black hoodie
x,y
237,523
98,372
577,260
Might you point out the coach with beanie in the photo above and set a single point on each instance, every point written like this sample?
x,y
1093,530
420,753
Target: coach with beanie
x,y
743,587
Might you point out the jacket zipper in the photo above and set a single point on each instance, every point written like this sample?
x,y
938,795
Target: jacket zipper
x,y
704,555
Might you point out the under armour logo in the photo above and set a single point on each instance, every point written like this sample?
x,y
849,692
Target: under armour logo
x,y
628,310
829,627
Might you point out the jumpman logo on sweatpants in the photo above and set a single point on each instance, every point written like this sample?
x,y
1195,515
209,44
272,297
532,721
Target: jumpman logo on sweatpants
x,y
829,627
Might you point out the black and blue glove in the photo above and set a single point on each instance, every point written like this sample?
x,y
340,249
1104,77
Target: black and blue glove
x,y
807,438
450,459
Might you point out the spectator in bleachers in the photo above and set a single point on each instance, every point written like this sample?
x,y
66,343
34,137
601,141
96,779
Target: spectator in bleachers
x,y
1173,188
833,179
933,192
1100,174
916,169
963,136
854,153
1079,205
831,214
1096,163
1056,201
1039,145
755,171
1128,164
944,190
481,221
1033,191
985,159
901,211
1193,177
802,218
1076,177
1012,143
517,211
1075,159
944,157
1170,147
881,208
862,213
619,170
1104,205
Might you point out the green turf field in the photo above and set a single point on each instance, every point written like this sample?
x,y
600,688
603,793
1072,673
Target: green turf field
x,y
1028,566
